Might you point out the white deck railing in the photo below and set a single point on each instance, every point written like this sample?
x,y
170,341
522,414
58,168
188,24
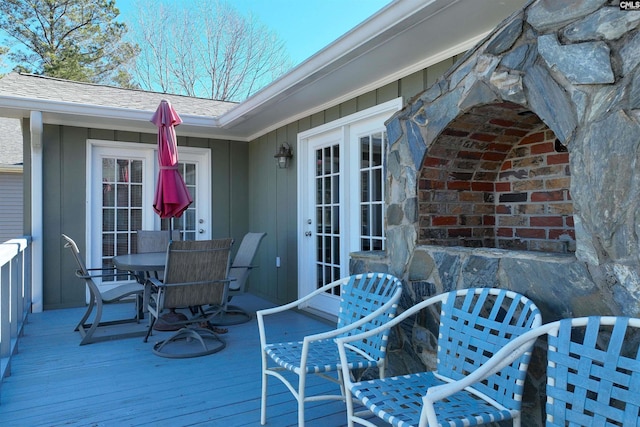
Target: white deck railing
x,y
15,297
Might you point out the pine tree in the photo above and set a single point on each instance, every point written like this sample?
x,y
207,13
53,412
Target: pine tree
x,y
70,39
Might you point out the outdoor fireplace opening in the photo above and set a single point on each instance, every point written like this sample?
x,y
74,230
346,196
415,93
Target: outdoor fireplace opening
x,y
497,177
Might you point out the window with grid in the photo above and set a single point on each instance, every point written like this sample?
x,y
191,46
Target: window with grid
x,y
122,192
328,215
372,149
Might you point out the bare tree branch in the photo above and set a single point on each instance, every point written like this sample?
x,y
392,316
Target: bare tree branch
x,y
206,50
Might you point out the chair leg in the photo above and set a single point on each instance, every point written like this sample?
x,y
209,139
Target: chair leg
x,y
350,413
230,315
516,420
152,321
301,396
139,310
263,400
87,313
88,334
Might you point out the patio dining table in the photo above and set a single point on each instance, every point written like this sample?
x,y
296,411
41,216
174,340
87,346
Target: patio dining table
x,y
141,265
145,262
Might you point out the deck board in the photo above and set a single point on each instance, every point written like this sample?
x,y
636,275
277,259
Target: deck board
x,y
55,382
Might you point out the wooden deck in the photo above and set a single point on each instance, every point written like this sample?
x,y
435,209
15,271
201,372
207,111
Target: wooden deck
x,y
56,382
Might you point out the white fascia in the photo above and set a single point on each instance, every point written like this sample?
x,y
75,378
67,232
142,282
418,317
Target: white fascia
x,y
378,23
74,114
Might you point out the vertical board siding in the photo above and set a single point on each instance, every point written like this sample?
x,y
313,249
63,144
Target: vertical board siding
x,y
64,204
11,212
249,193
268,186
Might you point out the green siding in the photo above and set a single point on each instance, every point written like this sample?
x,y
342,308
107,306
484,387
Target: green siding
x,y
64,169
248,192
272,192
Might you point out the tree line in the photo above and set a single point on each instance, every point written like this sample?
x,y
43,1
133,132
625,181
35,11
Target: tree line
x,y
205,49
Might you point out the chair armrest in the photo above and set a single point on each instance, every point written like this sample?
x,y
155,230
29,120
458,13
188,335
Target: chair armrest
x,y
296,303
343,342
398,319
151,285
337,332
260,314
152,281
504,357
93,276
323,335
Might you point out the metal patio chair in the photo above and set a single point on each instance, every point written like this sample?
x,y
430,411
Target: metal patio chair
x,y
238,274
366,302
593,372
474,325
195,276
98,299
153,241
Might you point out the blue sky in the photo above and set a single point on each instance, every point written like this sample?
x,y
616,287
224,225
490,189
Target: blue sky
x,y
306,26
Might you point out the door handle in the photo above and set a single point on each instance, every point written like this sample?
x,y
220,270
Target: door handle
x,y
308,234
201,230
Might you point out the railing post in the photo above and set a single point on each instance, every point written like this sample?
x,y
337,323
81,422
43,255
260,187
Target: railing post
x,y
5,312
15,297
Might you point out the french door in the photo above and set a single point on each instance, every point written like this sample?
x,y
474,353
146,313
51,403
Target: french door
x,y
121,185
341,195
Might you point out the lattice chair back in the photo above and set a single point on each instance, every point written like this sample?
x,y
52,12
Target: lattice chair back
x,y
367,301
473,327
360,296
593,372
199,267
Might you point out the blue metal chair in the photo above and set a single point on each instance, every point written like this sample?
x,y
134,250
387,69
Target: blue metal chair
x,y
593,372
474,325
366,302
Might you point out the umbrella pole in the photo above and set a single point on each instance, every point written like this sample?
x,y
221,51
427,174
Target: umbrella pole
x,y
172,316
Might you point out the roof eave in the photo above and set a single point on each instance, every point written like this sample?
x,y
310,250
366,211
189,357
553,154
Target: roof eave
x,y
444,20
402,38
325,59
74,114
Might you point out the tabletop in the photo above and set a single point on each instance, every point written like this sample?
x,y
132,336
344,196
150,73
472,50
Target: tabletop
x,y
149,261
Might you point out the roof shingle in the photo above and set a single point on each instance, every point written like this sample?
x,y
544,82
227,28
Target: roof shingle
x,y
10,142
48,88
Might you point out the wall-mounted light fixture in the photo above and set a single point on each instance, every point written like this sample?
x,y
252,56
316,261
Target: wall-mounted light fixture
x,y
283,155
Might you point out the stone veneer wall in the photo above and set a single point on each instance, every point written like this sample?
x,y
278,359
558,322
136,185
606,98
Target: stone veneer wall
x,y
558,283
574,64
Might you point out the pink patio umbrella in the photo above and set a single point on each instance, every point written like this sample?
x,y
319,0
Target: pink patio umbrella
x,y
172,196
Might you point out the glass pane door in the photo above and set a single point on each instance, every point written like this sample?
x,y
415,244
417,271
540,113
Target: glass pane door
x,y
122,186
120,197
372,149
341,190
327,208
122,203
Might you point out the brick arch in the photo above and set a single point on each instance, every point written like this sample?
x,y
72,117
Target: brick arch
x,y
496,176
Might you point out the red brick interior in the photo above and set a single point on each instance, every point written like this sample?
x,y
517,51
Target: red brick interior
x,y
497,177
